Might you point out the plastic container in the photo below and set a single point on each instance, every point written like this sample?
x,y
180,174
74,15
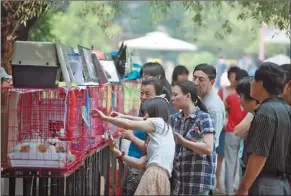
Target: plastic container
x,y
30,76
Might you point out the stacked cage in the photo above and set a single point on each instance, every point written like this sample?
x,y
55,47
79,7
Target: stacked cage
x,y
43,129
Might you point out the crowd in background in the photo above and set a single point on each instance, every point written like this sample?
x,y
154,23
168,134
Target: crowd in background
x,y
184,132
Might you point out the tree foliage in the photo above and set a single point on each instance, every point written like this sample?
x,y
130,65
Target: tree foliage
x,y
84,23
19,16
270,12
16,19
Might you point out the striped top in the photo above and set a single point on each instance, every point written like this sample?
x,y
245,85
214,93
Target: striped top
x,y
270,135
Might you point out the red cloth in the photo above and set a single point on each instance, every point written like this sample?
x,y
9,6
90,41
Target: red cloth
x,y
235,112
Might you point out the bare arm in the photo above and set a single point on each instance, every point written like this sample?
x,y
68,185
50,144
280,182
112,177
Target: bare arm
x,y
134,162
203,148
129,135
254,167
138,142
145,125
129,117
243,127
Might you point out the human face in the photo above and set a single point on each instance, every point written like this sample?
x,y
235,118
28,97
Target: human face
x,y
202,83
248,105
256,89
182,77
179,100
287,92
146,92
232,79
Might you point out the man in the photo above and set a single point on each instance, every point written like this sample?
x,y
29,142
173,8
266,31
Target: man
x,y
204,78
287,96
287,87
150,87
269,137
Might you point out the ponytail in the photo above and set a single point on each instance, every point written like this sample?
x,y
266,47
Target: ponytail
x,y
201,105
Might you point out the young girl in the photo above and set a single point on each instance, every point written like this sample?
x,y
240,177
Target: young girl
x,y
160,148
195,158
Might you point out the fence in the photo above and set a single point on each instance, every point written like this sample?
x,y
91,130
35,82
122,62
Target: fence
x,y
37,116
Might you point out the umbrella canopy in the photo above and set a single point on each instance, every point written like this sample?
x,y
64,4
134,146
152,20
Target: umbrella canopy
x,y
279,59
275,36
159,41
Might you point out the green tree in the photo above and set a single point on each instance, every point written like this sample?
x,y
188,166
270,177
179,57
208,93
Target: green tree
x,y
84,23
17,17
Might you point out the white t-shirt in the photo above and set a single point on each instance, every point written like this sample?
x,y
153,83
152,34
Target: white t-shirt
x,y
161,147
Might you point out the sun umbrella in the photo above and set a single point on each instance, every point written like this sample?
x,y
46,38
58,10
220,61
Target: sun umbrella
x,y
279,59
159,41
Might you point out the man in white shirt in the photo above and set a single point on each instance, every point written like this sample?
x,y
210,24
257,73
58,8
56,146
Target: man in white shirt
x,y
204,77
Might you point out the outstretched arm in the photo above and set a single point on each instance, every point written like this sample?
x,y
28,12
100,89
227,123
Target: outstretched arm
x,y
145,125
129,117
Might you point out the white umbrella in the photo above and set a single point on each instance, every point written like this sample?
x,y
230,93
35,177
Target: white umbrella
x,y
279,59
275,36
159,41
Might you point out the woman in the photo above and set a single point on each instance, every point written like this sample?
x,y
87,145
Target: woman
x,y
180,73
150,87
195,159
249,104
160,148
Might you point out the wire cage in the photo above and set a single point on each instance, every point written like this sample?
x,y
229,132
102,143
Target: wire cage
x,y
100,98
42,128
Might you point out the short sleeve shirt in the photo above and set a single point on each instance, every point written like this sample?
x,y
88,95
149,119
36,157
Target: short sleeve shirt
x,y
270,135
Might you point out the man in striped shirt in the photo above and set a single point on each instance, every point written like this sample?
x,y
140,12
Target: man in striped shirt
x,y
287,97
269,137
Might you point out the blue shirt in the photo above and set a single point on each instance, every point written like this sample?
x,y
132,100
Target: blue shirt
x,y
133,150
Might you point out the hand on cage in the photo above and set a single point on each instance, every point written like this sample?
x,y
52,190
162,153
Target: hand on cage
x,y
97,113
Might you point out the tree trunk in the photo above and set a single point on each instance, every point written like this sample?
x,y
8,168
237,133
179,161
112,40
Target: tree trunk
x,y
8,37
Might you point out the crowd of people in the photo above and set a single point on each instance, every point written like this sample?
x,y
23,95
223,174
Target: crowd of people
x,y
184,132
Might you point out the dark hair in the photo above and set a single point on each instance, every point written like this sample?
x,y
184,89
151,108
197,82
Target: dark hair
x,y
155,82
155,69
233,69
189,87
244,88
241,74
179,70
272,76
157,107
209,70
287,69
